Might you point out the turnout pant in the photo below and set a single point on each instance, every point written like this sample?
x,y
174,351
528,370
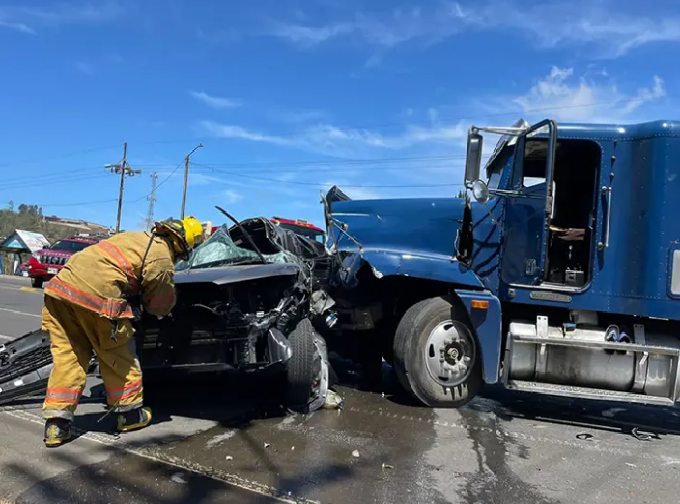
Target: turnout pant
x,y
76,332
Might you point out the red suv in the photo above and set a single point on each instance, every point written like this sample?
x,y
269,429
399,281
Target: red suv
x,y
46,263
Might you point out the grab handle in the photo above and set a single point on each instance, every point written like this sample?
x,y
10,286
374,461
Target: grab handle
x,y
607,194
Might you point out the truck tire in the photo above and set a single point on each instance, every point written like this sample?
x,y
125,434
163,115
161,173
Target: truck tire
x,y
301,367
429,329
36,282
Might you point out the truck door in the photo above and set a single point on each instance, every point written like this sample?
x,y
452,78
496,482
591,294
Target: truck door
x,y
529,208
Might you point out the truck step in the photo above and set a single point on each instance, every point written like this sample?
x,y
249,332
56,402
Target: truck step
x,y
586,393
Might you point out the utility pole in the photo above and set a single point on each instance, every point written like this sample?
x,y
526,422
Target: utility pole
x,y
186,176
152,200
124,169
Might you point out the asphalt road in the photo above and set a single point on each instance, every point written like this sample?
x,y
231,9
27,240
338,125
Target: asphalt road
x,y
223,442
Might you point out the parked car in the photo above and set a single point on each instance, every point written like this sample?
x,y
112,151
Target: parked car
x,y
46,263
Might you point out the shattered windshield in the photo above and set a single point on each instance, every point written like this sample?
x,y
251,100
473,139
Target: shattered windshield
x,y
220,250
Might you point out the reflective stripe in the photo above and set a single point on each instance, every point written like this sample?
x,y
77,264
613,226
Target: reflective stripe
x,y
123,263
71,396
110,309
125,392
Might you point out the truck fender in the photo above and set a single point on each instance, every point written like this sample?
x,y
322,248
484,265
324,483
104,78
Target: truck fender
x,y
429,267
485,322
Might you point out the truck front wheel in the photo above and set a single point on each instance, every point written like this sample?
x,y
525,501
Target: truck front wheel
x,y
436,355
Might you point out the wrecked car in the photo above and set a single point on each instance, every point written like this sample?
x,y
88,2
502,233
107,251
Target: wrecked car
x,y
248,300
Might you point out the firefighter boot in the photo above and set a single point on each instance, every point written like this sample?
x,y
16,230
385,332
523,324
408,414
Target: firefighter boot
x,y
57,432
135,419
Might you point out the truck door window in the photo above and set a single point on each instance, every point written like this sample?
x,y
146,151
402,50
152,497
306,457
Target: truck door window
x,y
535,162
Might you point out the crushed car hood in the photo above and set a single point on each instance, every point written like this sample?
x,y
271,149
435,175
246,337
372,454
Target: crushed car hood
x,y
237,273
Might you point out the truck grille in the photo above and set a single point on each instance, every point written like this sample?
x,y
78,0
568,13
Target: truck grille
x,y
51,260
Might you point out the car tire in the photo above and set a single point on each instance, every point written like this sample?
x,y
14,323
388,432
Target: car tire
x,y
426,329
36,282
301,367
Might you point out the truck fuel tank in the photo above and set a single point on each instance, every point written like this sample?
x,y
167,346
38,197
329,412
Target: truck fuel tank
x,y
580,362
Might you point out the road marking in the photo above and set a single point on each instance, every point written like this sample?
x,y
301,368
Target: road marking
x,y
154,454
17,312
23,289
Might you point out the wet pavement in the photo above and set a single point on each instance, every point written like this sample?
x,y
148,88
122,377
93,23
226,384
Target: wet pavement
x,y
226,441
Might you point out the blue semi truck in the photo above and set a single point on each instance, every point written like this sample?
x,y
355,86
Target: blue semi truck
x,y
560,276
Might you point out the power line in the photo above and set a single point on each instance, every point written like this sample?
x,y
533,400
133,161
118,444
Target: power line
x,y
50,182
332,161
81,203
445,121
317,184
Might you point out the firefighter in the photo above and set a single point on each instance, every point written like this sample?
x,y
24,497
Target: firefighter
x,y
90,306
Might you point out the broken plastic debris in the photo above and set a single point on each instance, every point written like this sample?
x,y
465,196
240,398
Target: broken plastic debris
x,y
387,466
630,465
229,457
355,454
643,436
267,445
178,478
333,400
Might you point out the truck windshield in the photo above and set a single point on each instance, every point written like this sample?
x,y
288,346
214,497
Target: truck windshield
x,y
497,164
69,246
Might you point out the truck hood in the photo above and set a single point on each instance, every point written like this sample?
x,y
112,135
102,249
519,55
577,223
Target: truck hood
x,y
411,236
412,225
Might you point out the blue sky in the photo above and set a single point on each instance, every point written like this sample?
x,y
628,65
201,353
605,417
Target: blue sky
x,y
289,97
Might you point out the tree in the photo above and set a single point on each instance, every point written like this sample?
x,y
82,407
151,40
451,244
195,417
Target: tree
x,y
463,194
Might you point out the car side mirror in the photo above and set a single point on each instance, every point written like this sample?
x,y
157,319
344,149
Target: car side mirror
x,y
473,160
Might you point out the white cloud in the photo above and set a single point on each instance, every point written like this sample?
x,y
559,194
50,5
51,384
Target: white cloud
x,y
343,142
566,98
214,101
603,24
232,196
309,35
17,26
401,26
23,18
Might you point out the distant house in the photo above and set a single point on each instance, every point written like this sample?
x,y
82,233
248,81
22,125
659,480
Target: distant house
x,y
17,246
80,226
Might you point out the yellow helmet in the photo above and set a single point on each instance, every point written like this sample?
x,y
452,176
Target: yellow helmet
x,y
193,231
185,234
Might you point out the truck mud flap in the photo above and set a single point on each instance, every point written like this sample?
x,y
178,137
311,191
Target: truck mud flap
x,y
25,366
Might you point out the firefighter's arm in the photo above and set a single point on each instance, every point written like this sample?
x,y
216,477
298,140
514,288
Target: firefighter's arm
x,y
159,287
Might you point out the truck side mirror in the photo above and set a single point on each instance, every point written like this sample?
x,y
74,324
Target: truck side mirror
x,y
473,160
480,191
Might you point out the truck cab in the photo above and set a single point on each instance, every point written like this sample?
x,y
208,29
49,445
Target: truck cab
x,y
561,276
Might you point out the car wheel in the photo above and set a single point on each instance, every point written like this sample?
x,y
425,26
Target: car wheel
x,y
436,355
36,282
301,368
